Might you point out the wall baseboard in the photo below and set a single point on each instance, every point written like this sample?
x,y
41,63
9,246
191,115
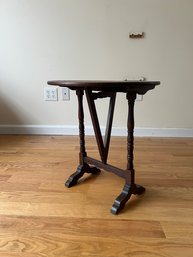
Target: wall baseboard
x,y
73,130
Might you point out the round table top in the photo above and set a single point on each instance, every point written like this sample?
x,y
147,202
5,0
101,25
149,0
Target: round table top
x,y
136,86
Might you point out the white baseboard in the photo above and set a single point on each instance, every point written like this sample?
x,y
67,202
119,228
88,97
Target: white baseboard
x,y
73,130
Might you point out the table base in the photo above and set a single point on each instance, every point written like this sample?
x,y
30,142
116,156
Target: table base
x,y
128,188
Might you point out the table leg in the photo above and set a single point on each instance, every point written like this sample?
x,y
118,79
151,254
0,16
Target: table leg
x,y
130,187
83,167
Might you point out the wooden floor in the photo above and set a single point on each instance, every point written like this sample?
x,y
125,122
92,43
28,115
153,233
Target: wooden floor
x,y
40,217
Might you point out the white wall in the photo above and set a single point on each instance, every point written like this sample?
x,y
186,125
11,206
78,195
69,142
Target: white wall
x,y
43,40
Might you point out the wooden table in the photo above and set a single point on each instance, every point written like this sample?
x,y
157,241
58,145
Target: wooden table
x,y
102,89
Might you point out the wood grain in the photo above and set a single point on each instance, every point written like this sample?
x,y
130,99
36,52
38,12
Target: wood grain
x,y
40,217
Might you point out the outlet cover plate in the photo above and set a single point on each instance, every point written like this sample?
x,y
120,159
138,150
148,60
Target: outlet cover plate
x,y
50,93
65,94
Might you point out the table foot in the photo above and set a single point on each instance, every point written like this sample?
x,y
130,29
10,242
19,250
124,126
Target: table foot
x,y
138,190
85,168
125,195
121,200
93,170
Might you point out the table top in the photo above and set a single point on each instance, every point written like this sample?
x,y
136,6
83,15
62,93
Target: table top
x,y
136,86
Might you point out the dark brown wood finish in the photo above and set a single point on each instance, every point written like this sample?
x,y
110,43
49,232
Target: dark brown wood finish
x,y
91,165
139,87
83,166
103,146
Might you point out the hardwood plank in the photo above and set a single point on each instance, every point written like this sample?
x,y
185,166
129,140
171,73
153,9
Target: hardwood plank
x,y
178,229
40,217
4,177
59,244
92,227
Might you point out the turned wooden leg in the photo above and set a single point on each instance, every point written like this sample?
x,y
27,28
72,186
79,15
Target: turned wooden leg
x,y
82,152
130,187
83,167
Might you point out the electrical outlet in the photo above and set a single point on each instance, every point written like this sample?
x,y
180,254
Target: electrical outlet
x,y
65,94
50,93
